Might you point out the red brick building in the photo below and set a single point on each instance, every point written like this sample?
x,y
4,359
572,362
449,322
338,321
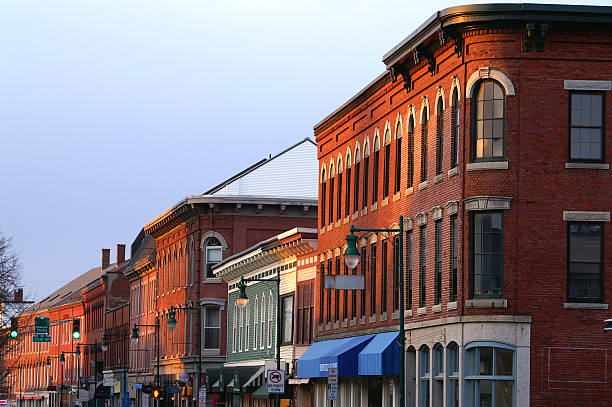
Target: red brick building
x,y
274,195
483,116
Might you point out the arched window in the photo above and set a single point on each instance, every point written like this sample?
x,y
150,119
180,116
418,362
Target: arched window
x,y
452,375
454,128
424,133
347,188
410,166
213,253
271,320
366,170
176,279
439,134
356,178
424,376
256,323
387,168
375,178
191,261
438,374
262,321
339,168
489,374
323,195
235,329
398,155
331,194
489,122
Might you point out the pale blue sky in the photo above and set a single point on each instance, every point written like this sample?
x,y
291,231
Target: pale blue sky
x,y
112,111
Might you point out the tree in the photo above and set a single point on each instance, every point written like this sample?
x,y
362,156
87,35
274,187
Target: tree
x,y
10,304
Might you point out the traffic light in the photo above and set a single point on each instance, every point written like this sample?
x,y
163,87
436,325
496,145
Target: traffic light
x,y
14,327
156,393
76,328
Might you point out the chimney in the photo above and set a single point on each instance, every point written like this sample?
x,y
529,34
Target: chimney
x,y
105,258
18,295
120,253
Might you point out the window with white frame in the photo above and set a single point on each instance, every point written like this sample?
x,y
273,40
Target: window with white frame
x,y
270,320
287,319
489,375
262,320
212,253
212,327
240,329
256,324
235,329
438,374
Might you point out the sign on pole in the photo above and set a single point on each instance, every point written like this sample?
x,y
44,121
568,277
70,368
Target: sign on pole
x,y
332,383
41,329
344,282
202,397
276,381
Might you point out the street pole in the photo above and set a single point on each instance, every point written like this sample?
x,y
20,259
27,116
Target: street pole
x,y
199,350
402,333
278,331
62,383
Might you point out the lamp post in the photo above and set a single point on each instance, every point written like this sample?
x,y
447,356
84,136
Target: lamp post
x,y
62,361
172,326
94,362
351,258
135,340
77,355
242,300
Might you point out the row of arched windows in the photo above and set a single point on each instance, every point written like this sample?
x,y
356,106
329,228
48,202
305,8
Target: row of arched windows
x,y
346,186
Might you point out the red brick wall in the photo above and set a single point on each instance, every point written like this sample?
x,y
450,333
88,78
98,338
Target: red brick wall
x,y
535,236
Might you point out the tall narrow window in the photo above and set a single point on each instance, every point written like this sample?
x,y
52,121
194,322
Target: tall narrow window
x,y
262,320
331,201
364,267
398,163
383,287
356,187
329,292
396,273
387,169
489,122
337,293
438,254
453,259
366,165
585,262
423,267
424,134
487,254
375,179
455,129
347,193
256,324
287,320
410,133
339,203
424,376
212,327
439,136
322,291
271,321
587,126
373,280
213,255
323,202
452,375
409,262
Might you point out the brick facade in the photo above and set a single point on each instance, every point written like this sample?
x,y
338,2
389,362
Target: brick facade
x,y
526,183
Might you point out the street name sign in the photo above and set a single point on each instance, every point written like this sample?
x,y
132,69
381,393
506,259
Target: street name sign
x,y
202,397
276,381
41,329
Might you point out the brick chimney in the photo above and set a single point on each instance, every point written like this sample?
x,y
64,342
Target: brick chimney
x,y
18,295
105,258
120,253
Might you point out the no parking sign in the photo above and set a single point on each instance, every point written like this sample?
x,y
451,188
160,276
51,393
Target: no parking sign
x,y
276,381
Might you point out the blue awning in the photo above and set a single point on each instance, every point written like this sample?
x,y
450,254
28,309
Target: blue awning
x,y
341,353
381,356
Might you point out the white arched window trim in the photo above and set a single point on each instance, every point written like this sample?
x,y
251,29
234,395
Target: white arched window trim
x,y
456,84
424,109
440,97
399,126
348,160
488,73
376,139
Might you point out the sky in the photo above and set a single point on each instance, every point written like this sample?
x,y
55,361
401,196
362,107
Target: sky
x,y
113,111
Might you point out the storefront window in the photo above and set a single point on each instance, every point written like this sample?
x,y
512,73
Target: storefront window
x,y
489,375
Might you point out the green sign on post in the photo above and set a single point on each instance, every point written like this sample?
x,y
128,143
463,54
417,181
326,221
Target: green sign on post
x,y
41,329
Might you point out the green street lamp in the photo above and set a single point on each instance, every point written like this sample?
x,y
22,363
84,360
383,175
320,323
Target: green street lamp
x,y
171,319
351,258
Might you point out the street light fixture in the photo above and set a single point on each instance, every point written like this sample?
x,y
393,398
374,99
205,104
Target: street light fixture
x,y
351,258
104,344
62,359
171,319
